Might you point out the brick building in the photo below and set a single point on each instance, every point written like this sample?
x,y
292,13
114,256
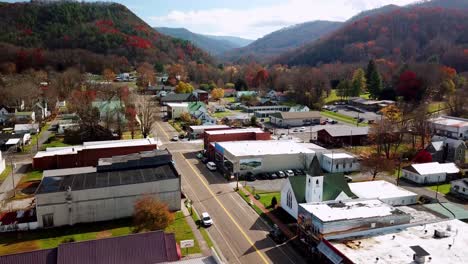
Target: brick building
x,y
210,137
339,136
89,153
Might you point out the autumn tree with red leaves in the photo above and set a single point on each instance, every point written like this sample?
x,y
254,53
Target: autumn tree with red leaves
x,y
151,214
410,86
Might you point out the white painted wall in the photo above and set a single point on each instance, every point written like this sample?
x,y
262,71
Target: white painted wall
x,y
177,111
459,187
339,165
423,179
284,194
2,163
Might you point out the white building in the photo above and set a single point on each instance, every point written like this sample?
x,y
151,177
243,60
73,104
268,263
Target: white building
x,y
339,162
261,156
2,163
197,131
459,187
428,173
26,128
452,127
407,244
313,187
174,110
384,191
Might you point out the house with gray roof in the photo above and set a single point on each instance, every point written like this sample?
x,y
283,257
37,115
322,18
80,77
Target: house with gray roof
x,y
445,149
338,136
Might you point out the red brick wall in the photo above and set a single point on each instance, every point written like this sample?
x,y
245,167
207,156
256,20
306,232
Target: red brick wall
x,y
86,157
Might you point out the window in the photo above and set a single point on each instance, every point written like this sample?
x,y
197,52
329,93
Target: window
x,y
289,199
317,182
336,166
350,165
48,220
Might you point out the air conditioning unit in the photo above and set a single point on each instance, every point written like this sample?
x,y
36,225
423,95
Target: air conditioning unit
x,y
441,233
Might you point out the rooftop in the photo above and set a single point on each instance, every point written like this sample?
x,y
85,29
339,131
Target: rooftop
x,y
297,115
95,145
338,156
340,131
450,121
351,209
234,131
433,168
177,104
378,189
397,245
263,147
208,127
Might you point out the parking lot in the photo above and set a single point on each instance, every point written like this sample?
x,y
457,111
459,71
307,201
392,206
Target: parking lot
x,y
344,110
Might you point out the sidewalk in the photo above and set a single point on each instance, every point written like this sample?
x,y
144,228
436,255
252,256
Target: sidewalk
x,y
272,217
206,251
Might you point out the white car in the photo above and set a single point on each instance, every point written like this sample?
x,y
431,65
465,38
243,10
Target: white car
x,y
289,173
175,138
281,174
211,166
206,219
302,129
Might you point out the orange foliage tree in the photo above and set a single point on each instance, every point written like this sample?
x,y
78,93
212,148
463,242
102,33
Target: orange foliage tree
x,y
151,214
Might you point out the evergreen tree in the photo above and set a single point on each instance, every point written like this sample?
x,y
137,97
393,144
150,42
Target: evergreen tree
x,y
375,85
343,90
358,82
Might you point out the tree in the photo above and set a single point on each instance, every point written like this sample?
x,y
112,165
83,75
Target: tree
x,y
423,156
241,85
410,86
145,108
374,85
146,75
217,93
387,133
343,90
132,123
376,164
108,74
358,82
274,202
253,120
185,117
151,214
183,87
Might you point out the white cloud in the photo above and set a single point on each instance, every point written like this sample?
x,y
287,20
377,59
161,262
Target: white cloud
x,y
257,22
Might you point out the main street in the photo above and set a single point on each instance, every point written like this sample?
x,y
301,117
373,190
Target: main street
x,y
238,231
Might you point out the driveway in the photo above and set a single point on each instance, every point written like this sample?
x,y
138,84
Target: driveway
x,y
267,185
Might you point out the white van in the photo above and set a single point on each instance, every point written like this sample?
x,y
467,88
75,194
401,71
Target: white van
x,y
211,166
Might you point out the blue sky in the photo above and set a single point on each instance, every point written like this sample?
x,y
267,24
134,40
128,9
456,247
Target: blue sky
x,y
246,18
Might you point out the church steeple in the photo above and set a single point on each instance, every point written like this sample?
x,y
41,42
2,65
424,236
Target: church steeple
x,y
314,182
314,168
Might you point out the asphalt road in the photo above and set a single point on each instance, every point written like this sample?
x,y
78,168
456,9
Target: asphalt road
x,y
239,233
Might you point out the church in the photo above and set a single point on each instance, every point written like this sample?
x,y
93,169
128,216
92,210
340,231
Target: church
x,y
315,186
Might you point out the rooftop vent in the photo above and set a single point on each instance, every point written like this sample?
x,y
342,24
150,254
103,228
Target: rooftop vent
x,y
441,233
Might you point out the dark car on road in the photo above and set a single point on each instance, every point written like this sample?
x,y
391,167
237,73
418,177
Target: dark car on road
x,y
277,235
272,175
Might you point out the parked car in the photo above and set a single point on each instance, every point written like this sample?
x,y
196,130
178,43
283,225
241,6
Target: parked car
x,y
250,177
348,178
289,173
273,175
175,138
302,129
296,130
211,166
199,155
261,176
206,219
323,123
204,160
281,174
277,235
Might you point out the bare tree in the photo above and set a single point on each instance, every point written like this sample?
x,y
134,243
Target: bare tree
x,y
146,108
376,164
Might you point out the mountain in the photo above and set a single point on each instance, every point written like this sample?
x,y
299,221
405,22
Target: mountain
x,y
84,33
414,33
211,44
239,42
283,40
376,11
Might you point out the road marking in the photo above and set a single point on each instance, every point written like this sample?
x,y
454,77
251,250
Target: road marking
x,y
162,129
227,212
215,226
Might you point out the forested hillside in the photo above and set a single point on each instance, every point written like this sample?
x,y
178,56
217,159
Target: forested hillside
x,y
282,40
406,34
54,34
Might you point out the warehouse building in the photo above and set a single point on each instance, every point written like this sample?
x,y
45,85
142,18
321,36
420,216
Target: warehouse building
x,y
431,172
196,132
89,153
108,191
339,162
384,191
449,126
261,156
339,136
295,119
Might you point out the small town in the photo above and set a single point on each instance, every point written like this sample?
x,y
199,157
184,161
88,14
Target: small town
x,y
122,142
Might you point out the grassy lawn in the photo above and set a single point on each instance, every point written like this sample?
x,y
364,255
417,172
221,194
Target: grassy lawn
x,y
443,188
34,139
54,142
265,197
202,229
222,114
176,125
333,97
5,173
182,231
32,176
341,117
50,238
230,99
128,135
435,106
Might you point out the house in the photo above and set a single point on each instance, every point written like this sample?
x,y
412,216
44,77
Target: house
x,y
178,98
299,108
6,113
430,173
108,191
443,149
459,187
196,132
229,92
295,119
240,94
201,95
110,110
139,248
339,162
89,153
40,110
25,117
26,128
162,78
384,191
199,111
158,89
174,110
448,126
315,186
338,136
434,242
369,105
